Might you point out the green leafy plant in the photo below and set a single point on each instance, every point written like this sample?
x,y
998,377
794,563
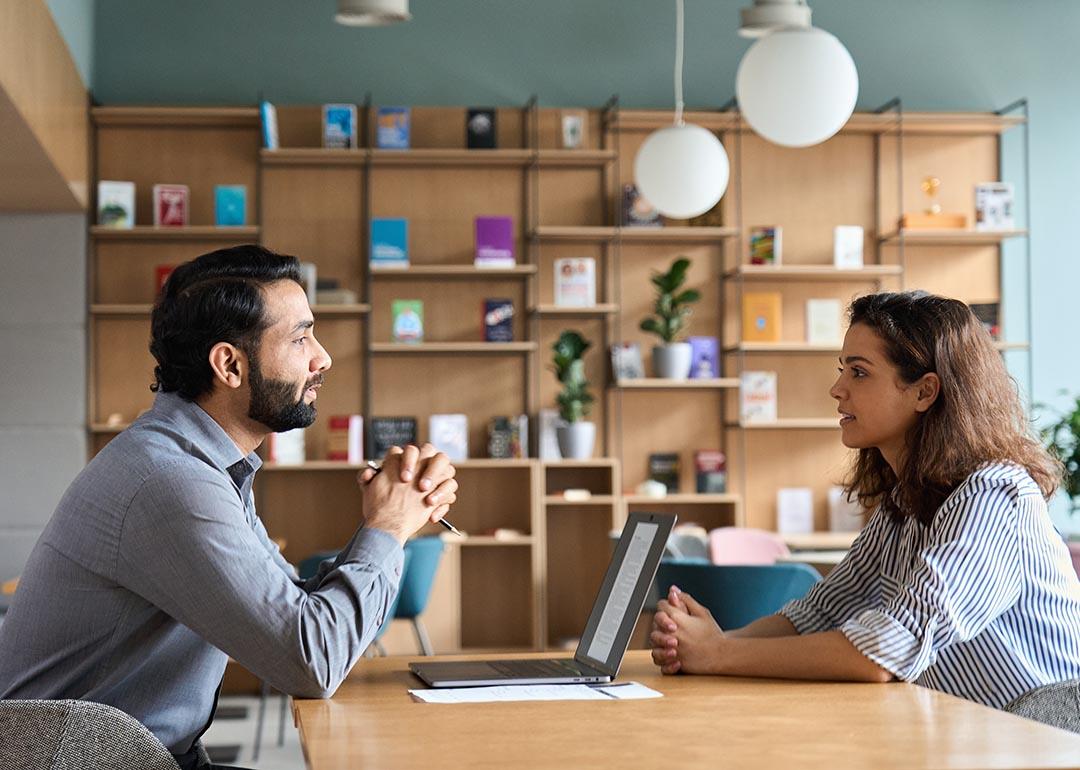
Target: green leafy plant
x,y
1063,440
672,308
575,400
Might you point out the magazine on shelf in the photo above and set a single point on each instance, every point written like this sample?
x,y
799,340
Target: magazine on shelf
x,y
848,247
389,432
345,438
230,205
171,205
795,510
664,467
823,322
704,358
994,206
494,242
286,448
268,114
710,469
480,128
392,128
757,397
389,242
575,282
450,435
766,245
761,316
116,204
498,320
339,126
408,320
574,127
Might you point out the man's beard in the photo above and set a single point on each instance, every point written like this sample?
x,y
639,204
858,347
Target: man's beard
x,y
272,401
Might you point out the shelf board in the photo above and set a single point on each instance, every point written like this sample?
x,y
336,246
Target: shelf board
x,y
338,465
582,234
782,347
950,237
136,310
490,463
659,383
603,309
451,157
453,271
191,233
859,123
813,273
791,423
1011,346
489,541
341,311
312,156
457,348
247,117
676,234
576,158
592,462
684,499
820,541
559,500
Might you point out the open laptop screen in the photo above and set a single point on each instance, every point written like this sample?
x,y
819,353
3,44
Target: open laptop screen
x,y
622,594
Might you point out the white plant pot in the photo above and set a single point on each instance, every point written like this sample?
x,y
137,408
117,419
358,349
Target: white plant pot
x,y
672,361
576,440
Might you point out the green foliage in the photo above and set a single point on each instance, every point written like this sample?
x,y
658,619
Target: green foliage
x,y
1063,440
672,308
575,400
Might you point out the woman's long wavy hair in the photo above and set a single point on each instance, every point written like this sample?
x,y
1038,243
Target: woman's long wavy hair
x,y
976,419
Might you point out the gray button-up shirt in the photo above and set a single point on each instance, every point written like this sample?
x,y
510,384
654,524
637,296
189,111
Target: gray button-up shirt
x,y
155,568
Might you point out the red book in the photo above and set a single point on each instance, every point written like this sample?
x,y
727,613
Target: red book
x,y
170,205
162,273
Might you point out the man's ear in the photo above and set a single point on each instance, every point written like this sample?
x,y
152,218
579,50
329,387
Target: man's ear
x,y
229,364
927,390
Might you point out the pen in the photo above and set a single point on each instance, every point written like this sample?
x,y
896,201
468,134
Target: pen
x,y
378,468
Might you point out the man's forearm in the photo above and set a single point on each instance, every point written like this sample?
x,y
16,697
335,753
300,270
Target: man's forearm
x,y
770,625
828,655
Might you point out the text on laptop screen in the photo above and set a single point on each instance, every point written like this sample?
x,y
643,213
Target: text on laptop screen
x,y
623,590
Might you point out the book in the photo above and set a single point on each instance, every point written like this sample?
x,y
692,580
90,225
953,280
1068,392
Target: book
x,y
664,467
339,126
989,315
161,276
494,242
766,245
575,282
757,397
574,126
450,435
116,204
704,357
498,320
823,319
268,115
794,510
548,420
392,128
637,211
761,316
286,448
845,514
626,363
480,128
389,432
345,438
171,205
230,205
389,243
848,247
994,206
710,471
508,437
309,280
408,323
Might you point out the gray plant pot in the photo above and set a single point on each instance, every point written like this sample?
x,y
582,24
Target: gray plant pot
x,y
672,361
576,440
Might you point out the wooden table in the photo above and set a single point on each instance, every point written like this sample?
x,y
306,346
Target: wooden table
x,y
708,722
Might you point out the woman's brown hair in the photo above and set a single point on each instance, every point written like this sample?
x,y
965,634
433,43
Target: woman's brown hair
x,y
976,419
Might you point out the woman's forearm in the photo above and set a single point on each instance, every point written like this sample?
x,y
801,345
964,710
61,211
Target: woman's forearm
x,y
770,625
828,655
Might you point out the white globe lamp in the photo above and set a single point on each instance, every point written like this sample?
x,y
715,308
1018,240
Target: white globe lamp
x,y
797,86
682,170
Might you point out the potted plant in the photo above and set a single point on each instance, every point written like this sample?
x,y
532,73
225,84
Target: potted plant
x,y
1063,440
575,436
671,360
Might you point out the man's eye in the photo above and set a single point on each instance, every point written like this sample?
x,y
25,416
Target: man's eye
x,y
300,341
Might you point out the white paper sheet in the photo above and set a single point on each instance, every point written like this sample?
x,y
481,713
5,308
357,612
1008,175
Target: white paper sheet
x,y
617,691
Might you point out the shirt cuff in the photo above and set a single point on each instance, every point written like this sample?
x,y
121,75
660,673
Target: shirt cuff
x,y
805,618
890,644
378,548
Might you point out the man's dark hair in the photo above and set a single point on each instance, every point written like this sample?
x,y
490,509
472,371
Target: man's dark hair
x,y
215,298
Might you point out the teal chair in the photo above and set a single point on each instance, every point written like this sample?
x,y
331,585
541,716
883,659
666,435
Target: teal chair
x,y
737,595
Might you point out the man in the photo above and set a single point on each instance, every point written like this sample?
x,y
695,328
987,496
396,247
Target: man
x,y
155,568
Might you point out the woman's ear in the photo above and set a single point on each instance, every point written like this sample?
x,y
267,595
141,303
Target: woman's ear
x,y
229,364
928,388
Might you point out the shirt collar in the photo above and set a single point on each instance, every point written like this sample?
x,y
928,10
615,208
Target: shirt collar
x,y
205,433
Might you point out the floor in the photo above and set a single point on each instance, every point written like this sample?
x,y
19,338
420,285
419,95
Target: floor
x,y
241,732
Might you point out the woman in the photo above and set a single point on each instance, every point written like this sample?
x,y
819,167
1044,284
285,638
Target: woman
x,y
959,581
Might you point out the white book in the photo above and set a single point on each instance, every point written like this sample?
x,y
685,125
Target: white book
x,y
994,206
450,435
757,396
575,282
309,279
823,322
116,204
287,448
848,247
844,515
795,510
549,443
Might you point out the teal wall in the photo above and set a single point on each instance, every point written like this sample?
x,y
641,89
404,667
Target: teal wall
x,y
75,18
961,54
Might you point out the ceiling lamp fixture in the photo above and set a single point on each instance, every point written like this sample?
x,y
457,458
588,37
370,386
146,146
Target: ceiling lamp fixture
x,y
797,85
768,15
371,13
682,170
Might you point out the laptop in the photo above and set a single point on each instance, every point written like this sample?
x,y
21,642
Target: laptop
x,y
607,633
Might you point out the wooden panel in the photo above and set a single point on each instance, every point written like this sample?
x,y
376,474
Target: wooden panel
x,y
968,273
578,549
571,197
707,515
453,312
123,370
598,480
803,381
497,598
149,156
312,511
549,252
28,179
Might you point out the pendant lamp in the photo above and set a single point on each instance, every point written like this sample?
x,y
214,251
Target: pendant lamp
x,y
371,13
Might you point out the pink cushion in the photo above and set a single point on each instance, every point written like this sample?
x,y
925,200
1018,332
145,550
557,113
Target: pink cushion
x,y
741,545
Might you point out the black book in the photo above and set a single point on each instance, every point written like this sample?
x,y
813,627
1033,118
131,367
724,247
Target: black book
x,y
664,467
391,431
480,128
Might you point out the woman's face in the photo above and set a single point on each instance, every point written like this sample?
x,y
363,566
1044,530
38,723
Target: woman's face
x,y
877,408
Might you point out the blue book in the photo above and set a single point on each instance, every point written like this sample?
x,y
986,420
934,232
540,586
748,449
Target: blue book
x,y
392,128
268,113
389,243
230,205
339,126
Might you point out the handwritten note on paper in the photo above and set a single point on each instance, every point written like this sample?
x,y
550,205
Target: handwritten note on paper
x,y
535,692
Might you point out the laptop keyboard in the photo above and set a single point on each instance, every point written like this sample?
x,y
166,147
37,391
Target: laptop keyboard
x,y
538,668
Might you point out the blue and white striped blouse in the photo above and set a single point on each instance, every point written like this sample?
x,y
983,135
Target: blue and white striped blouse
x,y
984,603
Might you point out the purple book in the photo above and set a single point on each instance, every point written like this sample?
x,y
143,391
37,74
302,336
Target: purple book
x,y
704,358
494,242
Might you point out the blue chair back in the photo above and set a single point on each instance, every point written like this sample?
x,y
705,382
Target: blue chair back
x,y
738,595
422,556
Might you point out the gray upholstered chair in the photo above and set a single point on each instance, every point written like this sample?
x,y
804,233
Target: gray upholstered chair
x,y
76,735
1057,705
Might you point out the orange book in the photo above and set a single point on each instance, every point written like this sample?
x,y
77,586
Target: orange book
x,y
761,316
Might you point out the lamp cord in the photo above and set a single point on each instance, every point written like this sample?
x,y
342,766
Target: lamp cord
x,y
678,62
